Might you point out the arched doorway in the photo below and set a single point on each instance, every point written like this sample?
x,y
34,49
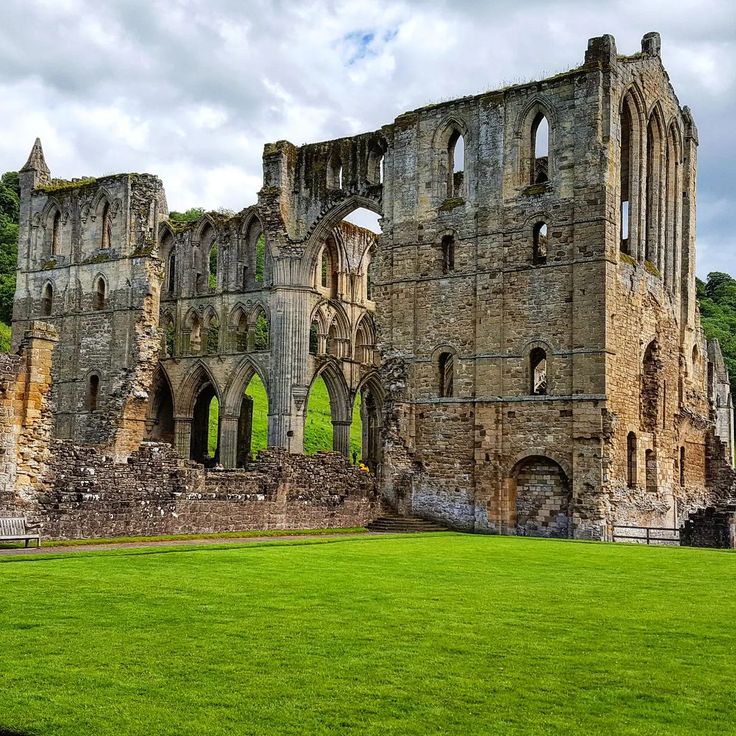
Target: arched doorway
x,y
252,421
205,438
541,499
365,430
318,430
160,424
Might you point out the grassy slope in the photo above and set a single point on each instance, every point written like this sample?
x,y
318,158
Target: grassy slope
x,y
418,635
318,429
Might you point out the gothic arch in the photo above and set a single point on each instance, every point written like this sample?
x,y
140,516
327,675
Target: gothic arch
x,y
337,388
324,225
517,461
197,377
238,383
444,131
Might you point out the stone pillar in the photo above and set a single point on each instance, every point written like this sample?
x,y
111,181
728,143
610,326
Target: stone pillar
x,y
289,350
228,441
182,435
341,437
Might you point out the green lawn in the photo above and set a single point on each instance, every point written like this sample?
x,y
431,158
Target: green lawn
x,y
446,634
318,424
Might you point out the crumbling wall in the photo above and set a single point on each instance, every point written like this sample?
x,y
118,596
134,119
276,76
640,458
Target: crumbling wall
x,y
26,419
157,492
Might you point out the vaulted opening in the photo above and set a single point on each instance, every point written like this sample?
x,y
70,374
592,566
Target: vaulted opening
x,y
93,392
540,149
538,371
446,374
160,424
47,300
456,165
539,243
252,421
205,431
100,295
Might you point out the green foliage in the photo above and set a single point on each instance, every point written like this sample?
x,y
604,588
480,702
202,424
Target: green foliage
x,y
4,338
262,337
188,216
9,217
318,434
717,299
260,258
416,635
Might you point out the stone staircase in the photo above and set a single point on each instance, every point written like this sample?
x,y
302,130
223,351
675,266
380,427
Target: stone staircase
x,y
394,524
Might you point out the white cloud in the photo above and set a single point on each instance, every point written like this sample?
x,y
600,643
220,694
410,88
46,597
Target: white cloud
x,y
192,89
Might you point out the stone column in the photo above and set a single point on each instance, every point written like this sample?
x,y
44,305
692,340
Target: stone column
x,y
289,350
182,435
228,441
341,437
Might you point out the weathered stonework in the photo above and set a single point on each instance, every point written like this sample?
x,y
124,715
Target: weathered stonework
x,y
524,333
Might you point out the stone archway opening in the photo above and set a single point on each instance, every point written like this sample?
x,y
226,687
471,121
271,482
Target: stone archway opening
x,y
160,423
541,499
319,435
205,437
365,430
252,421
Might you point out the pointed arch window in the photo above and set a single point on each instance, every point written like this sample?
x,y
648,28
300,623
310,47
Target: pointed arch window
x,y
314,337
627,137
47,300
195,335
213,334
448,254
171,272
446,370
106,237
93,392
240,328
370,274
540,149
631,451
260,270
56,234
538,371
455,164
100,296
539,243
261,333
682,466
212,267
169,337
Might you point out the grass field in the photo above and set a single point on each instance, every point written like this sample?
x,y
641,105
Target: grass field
x,y
318,425
448,634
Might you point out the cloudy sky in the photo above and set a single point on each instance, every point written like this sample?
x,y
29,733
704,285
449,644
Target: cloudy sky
x,y
192,89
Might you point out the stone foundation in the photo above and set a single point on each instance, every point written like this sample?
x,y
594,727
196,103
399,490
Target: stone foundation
x,y
156,492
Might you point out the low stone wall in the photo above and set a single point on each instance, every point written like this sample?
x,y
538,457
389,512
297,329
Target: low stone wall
x,y
711,527
157,492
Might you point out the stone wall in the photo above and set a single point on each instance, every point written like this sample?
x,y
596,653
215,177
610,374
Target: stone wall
x,y
157,492
711,527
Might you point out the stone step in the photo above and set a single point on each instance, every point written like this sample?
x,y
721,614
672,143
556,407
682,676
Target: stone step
x,y
403,524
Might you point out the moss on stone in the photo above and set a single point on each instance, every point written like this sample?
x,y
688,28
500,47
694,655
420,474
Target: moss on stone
x,y
652,269
99,258
451,203
50,263
57,185
626,258
536,189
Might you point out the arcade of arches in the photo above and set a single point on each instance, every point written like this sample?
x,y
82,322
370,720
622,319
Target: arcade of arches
x,y
520,343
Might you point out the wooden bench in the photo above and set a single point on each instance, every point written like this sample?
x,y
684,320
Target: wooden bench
x,y
19,530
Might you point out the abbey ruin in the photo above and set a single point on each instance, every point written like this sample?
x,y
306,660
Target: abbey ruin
x,y
523,332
